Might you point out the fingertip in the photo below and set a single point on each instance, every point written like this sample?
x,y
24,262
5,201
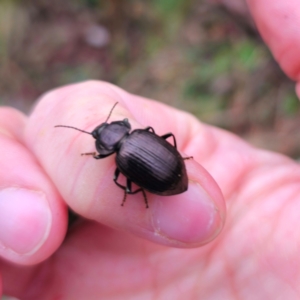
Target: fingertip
x,y
188,220
29,229
33,218
199,175
25,220
278,23
195,217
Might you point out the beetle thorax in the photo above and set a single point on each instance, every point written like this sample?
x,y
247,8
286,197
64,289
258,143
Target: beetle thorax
x,y
109,136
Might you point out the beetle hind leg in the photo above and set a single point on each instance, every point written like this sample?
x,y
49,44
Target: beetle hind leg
x,y
167,135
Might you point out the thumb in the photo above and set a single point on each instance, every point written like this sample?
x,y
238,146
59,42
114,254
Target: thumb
x,y
185,220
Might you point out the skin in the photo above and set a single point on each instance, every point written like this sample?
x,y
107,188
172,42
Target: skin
x,y
188,244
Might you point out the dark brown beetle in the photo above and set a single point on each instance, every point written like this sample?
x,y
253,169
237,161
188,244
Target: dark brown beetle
x,y
143,157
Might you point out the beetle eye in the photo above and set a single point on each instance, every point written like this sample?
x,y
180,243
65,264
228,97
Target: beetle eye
x,y
97,131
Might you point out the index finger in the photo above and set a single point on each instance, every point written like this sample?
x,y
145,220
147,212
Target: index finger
x,y
189,219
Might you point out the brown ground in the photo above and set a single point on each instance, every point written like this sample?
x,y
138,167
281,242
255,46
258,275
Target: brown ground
x,y
203,56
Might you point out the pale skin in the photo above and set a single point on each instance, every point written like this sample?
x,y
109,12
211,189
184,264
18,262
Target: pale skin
x,y
233,235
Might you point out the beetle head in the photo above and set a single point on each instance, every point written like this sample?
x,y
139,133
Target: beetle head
x,y
109,136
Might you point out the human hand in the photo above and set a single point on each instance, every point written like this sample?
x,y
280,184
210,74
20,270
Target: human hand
x,y
256,253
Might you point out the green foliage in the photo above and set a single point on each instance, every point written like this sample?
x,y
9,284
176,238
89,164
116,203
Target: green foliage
x,y
290,104
169,8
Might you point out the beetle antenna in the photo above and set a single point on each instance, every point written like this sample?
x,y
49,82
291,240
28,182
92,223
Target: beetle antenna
x,y
73,128
111,112
87,131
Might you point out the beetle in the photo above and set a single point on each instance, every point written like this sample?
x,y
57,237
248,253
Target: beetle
x,y
143,157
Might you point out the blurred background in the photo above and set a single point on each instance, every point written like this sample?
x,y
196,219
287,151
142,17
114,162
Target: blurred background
x,y
203,56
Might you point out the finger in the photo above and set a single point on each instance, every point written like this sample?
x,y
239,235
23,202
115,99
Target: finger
x,y
184,220
32,215
279,24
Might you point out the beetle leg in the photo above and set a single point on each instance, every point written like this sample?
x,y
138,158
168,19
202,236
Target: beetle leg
x,y
116,176
149,128
124,198
189,157
127,188
167,135
129,191
99,156
96,155
89,153
145,198
144,194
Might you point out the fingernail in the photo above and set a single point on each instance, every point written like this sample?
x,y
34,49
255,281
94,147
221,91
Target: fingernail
x,y
25,220
191,217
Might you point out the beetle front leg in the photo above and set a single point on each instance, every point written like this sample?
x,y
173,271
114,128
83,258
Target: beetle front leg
x,y
167,135
189,157
96,155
